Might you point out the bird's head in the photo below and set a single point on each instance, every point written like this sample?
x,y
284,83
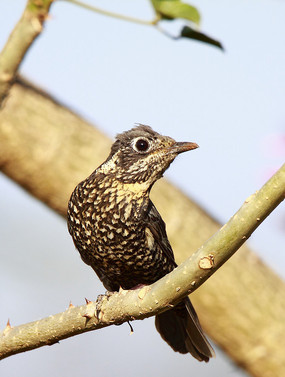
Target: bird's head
x,y
142,155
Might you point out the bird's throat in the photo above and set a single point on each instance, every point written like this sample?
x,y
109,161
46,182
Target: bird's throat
x,y
138,188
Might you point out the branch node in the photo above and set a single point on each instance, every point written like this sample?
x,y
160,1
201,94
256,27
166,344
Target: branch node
x,y
206,263
143,292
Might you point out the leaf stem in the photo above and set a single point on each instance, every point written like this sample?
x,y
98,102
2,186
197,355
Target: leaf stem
x,y
115,15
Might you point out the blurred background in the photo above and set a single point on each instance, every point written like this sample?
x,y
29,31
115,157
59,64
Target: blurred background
x,y
115,74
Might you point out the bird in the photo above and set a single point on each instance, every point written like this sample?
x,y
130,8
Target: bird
x,y
119,232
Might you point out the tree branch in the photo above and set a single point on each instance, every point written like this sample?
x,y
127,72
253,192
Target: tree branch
x,y
25,32
242,307
150,300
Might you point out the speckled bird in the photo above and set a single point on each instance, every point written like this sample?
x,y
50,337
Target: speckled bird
x,y
121,235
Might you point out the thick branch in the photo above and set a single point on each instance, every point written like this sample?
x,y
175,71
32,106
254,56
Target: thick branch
x,y
25,32
150,300
47,149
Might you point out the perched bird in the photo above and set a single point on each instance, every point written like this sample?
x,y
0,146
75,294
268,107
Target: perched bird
x,y
120,234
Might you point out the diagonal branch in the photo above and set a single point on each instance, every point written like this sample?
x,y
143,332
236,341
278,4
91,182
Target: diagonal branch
x,y
25,32
242,307
150,300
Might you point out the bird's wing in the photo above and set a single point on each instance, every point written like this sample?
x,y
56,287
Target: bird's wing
x,y
156,226
108,284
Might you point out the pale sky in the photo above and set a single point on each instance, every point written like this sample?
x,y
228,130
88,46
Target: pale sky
x,y
116,74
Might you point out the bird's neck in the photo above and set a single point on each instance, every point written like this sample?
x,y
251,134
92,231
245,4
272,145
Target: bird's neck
x,y
126,199
137,189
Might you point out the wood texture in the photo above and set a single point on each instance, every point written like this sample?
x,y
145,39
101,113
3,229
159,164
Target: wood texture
x,y
48,149
27,29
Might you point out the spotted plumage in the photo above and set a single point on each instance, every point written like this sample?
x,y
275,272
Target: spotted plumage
x,y
120,234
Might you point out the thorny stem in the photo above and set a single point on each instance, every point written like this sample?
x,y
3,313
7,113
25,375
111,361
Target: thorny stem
x,y
150,300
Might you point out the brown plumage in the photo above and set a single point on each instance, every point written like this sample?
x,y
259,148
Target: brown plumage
x,y
120,234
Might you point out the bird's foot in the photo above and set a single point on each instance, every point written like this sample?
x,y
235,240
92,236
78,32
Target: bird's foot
x,y
99,302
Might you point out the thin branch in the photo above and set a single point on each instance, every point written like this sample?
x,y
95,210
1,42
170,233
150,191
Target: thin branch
x,y
114,15
25,32
150,300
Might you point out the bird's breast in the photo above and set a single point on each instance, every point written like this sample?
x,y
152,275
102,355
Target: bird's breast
x,y
108,225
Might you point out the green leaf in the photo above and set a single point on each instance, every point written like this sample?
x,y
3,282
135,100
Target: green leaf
x,y
188,32
171,9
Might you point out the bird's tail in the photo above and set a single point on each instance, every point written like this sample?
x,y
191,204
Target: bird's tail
x,y
181,329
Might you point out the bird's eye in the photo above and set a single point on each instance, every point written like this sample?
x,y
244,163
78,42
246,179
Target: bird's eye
x,y
141,145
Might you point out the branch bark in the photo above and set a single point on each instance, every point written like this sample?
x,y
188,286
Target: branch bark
x,y
47,149
25,32
153,299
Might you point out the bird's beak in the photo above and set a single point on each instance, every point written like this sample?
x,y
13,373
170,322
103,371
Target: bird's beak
x,y
180,147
